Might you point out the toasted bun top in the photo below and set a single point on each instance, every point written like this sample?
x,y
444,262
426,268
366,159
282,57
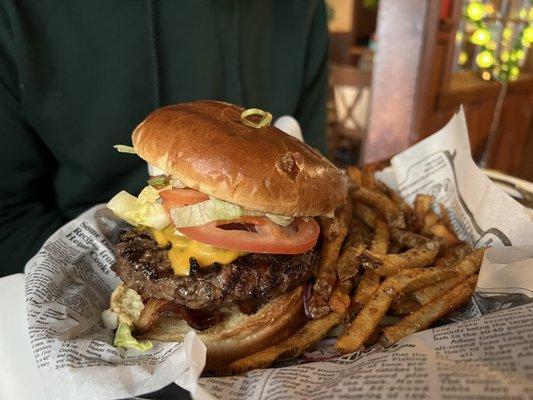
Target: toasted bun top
x,y
205,145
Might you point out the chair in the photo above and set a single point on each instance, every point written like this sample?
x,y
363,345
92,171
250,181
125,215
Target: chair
x,y
350,93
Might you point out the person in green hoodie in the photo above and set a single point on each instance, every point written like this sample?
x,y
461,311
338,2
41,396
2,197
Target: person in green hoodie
x,y
77,76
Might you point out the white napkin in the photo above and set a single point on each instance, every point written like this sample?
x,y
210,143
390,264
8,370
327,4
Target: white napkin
x,y
19,378
290,126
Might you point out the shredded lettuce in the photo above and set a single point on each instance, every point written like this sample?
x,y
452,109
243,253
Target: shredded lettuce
x,y
217,210
123,338
143,210
148,195
122,148
159,181
204,212
279,219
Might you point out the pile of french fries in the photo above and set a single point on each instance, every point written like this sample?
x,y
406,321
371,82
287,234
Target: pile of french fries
x,y
386,270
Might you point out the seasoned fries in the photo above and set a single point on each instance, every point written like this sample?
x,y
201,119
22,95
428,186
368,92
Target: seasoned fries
x,y
361,328
431,224
367,287
354,175
380,257
426,315
407,238
348,265
429,293
471,263
383,204
387,265
445,217
404,305
347,269
327,274
422,205
466,267
453,254
367,177
365,213
380,243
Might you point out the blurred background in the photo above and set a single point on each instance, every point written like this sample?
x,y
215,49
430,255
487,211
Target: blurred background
x,y
401,69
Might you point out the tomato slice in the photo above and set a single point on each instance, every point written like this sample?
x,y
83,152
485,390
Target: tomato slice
x,y
173,198
262,236
247,234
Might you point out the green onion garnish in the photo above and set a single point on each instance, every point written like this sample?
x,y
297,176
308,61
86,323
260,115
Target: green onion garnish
x,y
266,118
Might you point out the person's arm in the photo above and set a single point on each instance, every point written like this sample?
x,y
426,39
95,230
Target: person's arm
x,y
311,111
27,211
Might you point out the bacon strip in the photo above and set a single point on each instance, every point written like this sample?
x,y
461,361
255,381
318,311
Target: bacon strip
x,y
196,319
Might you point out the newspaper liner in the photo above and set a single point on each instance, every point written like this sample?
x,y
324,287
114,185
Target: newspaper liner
x,y
487,353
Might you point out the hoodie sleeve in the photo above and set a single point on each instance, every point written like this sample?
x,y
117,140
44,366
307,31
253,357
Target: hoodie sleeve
x,y
27,212
311,111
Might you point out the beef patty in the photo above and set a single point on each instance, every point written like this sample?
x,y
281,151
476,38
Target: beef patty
x,y
144,267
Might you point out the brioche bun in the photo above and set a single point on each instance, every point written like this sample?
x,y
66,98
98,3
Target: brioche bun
x,y
239,334
205,145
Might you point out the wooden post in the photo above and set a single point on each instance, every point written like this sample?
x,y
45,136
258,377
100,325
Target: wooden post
x,y
406,34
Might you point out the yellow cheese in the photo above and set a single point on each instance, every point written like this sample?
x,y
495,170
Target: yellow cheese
x,y
184,248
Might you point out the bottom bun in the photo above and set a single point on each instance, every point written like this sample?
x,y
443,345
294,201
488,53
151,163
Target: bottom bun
x,y
239,334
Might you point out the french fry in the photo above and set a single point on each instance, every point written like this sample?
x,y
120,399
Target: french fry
x,y
445,218
360,329
453,254
400,202
421,206
395,247
367,287
404,305
433,226
374,337
383,188
327,268
429,313
365,213
387,265
357,240
364,233
466,267
312,332
471,263
348,267
411,221
395,197
380,243
427,294
407,238
383,204
367,177
354,175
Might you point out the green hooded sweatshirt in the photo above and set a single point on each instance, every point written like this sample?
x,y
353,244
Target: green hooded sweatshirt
x,y
77,76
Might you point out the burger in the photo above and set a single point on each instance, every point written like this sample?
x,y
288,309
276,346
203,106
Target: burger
x,y
224,238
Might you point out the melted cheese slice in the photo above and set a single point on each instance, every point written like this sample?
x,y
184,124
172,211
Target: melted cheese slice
x,y
184,248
